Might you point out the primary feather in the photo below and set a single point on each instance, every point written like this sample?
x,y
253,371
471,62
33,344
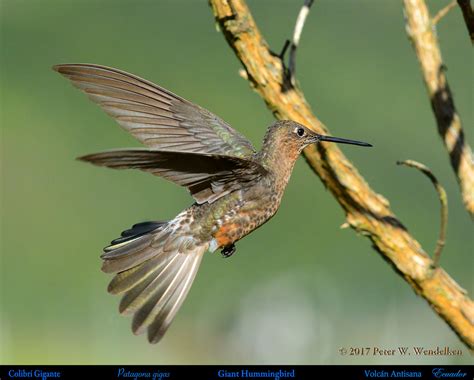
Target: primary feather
x,y
155,116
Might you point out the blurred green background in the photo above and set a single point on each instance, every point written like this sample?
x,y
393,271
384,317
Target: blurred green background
x,y
299,288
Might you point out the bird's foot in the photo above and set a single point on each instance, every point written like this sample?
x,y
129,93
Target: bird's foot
x,y
228,251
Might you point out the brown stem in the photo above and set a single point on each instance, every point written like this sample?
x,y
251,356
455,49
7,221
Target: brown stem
x,y
367,212
468,15
443,199
425,43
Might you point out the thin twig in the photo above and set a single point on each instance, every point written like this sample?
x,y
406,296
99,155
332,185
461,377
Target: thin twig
x,y
443,199
443,12
425,43
284,49
296,38
468,15
366,211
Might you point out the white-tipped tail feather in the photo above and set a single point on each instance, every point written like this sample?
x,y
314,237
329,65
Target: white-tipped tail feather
x,y
154,272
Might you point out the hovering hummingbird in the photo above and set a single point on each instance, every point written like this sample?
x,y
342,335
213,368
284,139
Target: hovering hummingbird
x,y
236,189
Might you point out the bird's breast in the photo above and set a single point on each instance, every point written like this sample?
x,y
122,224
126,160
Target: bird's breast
x,y
244,214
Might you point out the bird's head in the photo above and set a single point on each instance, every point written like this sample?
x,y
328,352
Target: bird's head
x,y
296,136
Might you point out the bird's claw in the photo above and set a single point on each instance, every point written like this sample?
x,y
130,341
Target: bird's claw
x,y
228,251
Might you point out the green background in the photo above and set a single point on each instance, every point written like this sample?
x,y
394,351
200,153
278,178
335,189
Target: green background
x,y
299,288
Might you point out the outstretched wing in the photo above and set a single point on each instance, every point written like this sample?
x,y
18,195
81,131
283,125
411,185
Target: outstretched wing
x,y
155,116
207,177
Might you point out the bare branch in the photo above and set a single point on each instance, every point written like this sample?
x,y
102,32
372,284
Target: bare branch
x,y
450,129
443,199
296,38
443,12
366,211
468,15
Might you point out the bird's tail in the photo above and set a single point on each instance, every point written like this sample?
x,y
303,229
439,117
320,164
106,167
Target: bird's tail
x,y
155,265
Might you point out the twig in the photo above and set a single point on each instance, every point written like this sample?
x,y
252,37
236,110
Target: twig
x,y
443,12
284,49
444,206
468,15
296,38
366,211
450,129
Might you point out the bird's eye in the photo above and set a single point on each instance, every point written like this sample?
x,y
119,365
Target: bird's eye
x,y
299,131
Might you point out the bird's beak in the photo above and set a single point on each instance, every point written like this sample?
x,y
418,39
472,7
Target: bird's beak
x,y
339,140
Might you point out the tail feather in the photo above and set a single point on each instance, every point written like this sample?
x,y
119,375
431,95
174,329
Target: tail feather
x,y
126,255
129,261
162,321
154,272
116,250
137,230
150,310
125,280
136,297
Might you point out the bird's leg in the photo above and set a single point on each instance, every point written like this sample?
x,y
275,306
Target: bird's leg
x,y
228,251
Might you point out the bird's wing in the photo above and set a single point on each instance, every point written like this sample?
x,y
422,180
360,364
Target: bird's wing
x,y
155,116
207,177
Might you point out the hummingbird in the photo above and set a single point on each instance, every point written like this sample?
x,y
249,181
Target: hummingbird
x,y
236,188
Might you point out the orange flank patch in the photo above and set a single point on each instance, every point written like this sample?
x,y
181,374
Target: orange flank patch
x,y
226,234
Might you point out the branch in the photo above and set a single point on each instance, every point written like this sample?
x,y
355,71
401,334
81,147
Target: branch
x,y
366,211
296,38
427,50
468,15
443,12
443,199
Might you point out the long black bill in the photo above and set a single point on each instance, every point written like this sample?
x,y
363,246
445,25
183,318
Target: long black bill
x,y
342,141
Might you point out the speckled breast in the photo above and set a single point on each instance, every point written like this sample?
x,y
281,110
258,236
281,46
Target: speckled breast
x,y
243,214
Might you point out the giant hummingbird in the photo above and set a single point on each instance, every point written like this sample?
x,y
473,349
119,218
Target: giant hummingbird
x,y
235,188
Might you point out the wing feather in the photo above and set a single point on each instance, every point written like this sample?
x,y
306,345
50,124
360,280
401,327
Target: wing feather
x,y
207,177
155,116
